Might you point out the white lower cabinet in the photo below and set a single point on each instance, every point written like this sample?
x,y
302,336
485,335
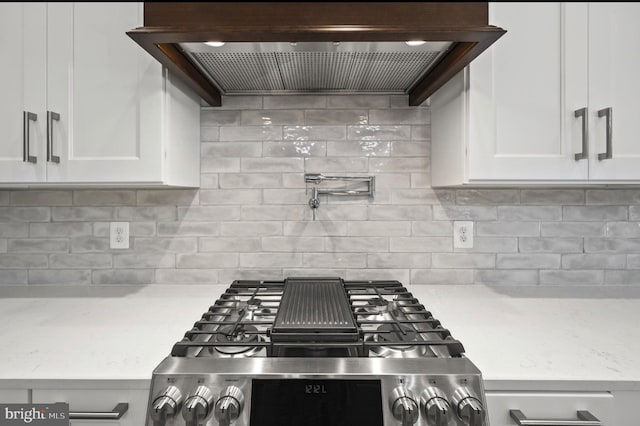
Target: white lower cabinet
x,y
98,400
551,406
14,396
626,403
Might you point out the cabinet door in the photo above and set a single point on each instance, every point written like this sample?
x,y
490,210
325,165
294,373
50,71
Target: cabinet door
x,y
22,84
91,400
549,406
626,403
14,396
523,93
614,60
107,90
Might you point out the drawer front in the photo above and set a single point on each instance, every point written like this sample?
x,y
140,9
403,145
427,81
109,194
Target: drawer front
x,y
14,396
549,406
92,400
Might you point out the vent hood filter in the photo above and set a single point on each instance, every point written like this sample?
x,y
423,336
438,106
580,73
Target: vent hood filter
x,y
315,47
309,67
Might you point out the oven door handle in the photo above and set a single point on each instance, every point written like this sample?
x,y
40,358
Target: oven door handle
x,y
585,418
115,414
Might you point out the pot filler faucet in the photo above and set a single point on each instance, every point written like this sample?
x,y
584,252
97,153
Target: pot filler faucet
x,y
316,179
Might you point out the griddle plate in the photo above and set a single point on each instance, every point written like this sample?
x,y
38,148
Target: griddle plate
x,y
315,309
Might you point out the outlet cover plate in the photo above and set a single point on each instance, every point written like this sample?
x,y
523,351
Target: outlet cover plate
x,y
463,234
119,235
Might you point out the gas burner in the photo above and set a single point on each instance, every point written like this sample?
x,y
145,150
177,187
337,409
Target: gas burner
x,y
395,342
253,309
253,304
377,306
245,335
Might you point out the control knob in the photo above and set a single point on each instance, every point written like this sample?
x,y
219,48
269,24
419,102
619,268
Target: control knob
x,y
229,406
166,405
435,407
197,406
403,406
468,407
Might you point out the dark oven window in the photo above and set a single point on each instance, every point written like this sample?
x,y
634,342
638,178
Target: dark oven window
x,y
295,402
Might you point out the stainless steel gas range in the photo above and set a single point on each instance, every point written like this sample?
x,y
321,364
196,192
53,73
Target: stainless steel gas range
x,y
317,352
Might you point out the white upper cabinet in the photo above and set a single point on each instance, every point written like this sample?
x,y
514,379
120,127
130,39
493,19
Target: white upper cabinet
x,y
104,106
23,35
525,111
614,64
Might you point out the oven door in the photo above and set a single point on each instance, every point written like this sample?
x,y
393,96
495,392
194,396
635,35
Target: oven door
x,y
336,402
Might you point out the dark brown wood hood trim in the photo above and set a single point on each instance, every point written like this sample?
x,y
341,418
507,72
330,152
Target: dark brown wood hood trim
x,y
465,24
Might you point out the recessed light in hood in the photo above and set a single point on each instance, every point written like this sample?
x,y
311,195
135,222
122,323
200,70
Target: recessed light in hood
x,y
315,47
214,43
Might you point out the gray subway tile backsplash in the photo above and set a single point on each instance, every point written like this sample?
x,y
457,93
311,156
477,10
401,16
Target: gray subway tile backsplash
x,y
104,198
80,261
528,261
359,101
60,276
38,245
25,214
118,276
595,213
41,198
507,276
23,261
14,229
14,277
550,245
59,229
542,197
578,277
268,118
487,197
250,218
441,276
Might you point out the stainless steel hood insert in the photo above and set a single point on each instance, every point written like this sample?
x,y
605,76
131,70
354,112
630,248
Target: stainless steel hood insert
x,y
308,67
315,47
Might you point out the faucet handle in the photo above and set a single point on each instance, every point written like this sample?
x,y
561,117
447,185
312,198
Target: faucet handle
x,y
314,201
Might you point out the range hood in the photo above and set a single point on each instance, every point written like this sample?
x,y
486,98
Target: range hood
x,y
240,48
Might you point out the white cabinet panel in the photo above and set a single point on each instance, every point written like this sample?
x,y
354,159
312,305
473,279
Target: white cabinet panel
x,y
115,104
626,403
98,400
614,83
549,406
522,100
96,82
14,396
510,118
22,84
517,106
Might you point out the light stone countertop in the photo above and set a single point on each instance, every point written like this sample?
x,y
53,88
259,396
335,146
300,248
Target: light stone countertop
x,y
546,338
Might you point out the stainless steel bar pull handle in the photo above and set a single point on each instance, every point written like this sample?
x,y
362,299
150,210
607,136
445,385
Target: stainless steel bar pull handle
x,y
608,113
26,140
51,116
117,412
584,154
585,418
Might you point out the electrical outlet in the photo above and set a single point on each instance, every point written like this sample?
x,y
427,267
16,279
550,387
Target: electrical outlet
x,y
463,234
119,235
